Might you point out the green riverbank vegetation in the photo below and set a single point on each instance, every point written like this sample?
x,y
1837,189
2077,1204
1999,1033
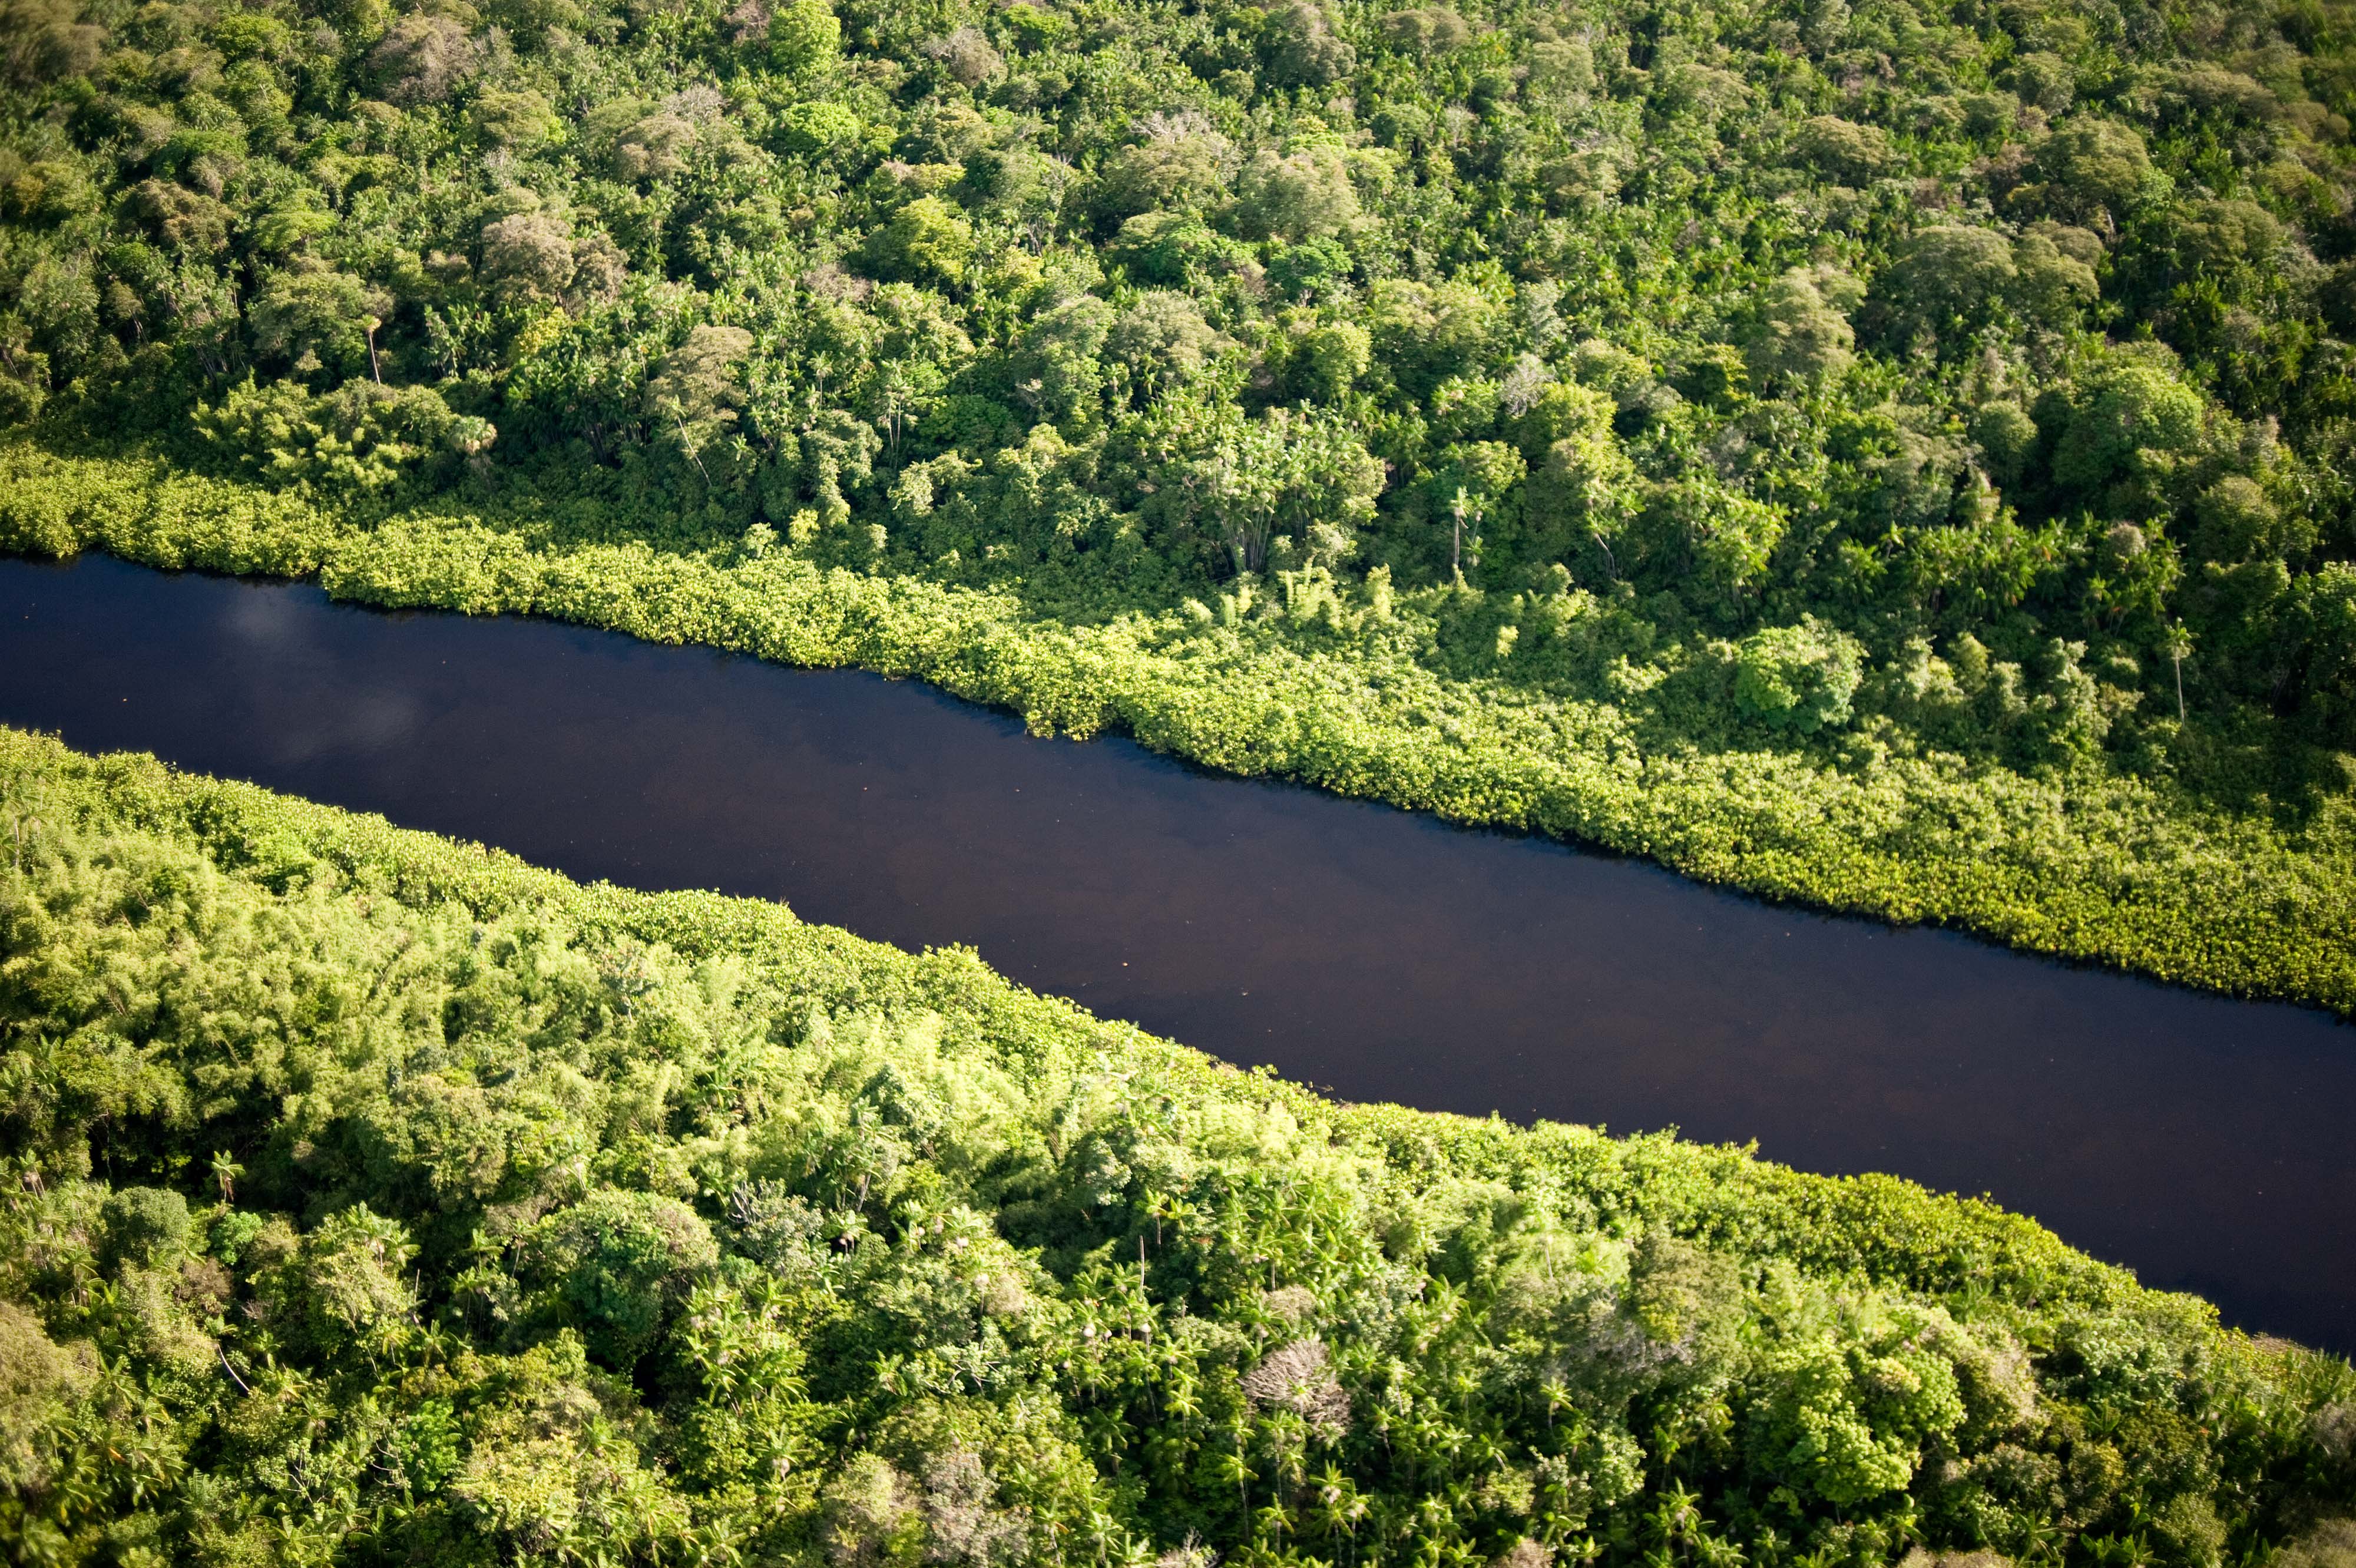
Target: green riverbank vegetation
x,y
374,1198
1894,456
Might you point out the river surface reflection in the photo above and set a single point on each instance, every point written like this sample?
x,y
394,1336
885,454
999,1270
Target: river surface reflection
x,y
2205,1143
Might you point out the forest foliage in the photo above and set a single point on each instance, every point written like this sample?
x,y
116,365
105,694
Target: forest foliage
x,y
374,1198
1948,402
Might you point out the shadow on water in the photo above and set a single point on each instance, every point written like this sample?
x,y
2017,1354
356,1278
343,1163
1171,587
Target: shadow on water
x,y
2203,1142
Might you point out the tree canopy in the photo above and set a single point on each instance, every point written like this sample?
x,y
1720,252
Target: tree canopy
x,y
374,1198
1860,291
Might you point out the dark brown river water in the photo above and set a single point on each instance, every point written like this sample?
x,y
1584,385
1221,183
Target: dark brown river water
x,y
2205,1143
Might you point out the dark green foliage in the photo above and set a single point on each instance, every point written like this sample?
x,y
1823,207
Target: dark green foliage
x,y
615,1264
1797,677
374,1198
142,1225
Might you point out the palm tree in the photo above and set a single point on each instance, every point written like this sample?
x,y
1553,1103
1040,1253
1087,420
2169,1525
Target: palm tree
x,y
2180,647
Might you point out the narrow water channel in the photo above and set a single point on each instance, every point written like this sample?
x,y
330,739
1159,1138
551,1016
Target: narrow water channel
x,y
2205,1143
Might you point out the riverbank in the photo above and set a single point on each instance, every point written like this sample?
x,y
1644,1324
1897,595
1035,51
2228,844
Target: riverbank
x,y
539,1137
1890,1232
1381,955
1354,695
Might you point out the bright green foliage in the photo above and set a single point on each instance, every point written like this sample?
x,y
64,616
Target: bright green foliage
x,y
926,241
2007,342
374,1198
359,437
804,37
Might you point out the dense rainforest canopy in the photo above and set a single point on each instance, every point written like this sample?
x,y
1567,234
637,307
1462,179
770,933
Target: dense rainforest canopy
x,y
1899,457
1978,367
373,1199
1905,454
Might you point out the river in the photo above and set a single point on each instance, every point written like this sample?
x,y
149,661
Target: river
x,y
2203,1142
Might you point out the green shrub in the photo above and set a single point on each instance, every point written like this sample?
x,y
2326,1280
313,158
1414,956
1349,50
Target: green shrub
x,y
1798,677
